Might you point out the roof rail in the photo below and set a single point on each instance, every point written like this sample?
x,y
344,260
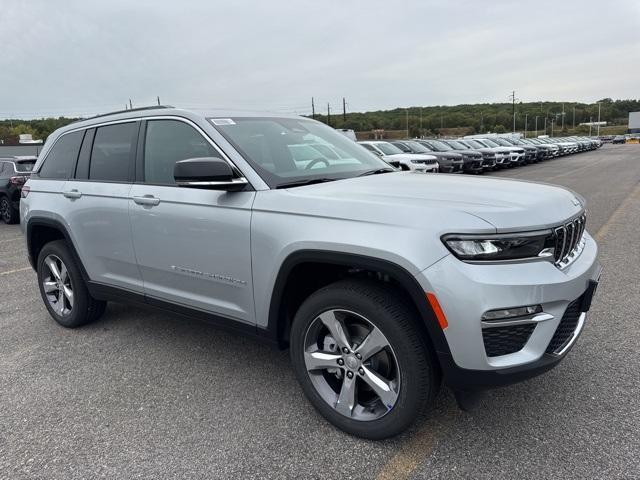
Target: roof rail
x,y
130,110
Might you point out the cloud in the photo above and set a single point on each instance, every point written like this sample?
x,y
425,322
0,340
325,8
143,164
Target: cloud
x,y
81,58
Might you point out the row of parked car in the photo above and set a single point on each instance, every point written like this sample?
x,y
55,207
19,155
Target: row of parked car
x,y
475,154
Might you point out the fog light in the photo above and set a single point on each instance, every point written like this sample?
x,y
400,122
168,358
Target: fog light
x,y
514,312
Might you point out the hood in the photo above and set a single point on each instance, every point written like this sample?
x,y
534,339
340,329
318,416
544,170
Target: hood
x,y
451,155
472,152
446,202
410,156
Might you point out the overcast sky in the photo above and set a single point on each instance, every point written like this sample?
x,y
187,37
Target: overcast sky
x,y
86,57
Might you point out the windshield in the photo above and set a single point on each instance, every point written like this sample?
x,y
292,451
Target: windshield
x,y
474,144
388,149
489,143
418,148
286,150
25,166
457,145
502,142
428,147
440,146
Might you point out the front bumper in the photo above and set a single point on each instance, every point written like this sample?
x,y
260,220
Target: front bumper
x,y
479,288
473,164
451,167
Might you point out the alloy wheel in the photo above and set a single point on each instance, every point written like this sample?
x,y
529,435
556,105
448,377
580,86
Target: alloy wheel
x,y
351,365
57,286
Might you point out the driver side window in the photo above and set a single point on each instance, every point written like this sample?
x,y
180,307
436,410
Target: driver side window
x,y
168,141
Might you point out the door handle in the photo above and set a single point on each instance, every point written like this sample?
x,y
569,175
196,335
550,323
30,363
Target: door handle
x,y
73,193
148,200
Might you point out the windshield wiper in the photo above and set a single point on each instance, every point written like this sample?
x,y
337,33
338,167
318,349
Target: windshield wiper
x,y
377,171
306,181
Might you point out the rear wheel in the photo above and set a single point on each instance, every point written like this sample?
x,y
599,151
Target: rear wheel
x,y
62,288
8,214
361,360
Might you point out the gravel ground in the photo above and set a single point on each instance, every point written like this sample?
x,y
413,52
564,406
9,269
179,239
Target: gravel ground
x,y
142,394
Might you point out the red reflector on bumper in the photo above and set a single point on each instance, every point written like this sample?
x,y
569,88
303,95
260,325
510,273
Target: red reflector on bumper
x,y
437,309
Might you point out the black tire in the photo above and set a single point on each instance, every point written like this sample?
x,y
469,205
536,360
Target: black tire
x,y
387,310
9,214
85,308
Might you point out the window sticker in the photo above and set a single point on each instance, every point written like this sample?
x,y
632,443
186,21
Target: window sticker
x,y
222,121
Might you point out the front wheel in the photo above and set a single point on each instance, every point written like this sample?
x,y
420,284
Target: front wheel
x,y
361,359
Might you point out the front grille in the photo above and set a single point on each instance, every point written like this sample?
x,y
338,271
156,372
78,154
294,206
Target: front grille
x,y
504,340
566,327
568,240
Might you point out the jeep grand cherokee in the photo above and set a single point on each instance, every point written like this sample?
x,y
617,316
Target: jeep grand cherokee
x,y
381,283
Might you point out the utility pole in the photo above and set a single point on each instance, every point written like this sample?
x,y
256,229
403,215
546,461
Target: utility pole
x,y
344,110
526,115
328,114
420,123
406,119
563,117
536,125
313,109
130,105
513,99
598,133
158,99
552,120
590,124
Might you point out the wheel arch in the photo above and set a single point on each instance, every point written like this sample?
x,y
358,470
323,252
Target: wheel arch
x,y
40,231
279,320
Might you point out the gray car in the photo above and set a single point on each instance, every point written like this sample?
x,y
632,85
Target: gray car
x,y
383,284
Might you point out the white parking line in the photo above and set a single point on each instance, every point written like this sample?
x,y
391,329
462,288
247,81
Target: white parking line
x,y
8,272
11,239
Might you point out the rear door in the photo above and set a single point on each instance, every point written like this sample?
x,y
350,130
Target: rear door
x,y
98,204
192,245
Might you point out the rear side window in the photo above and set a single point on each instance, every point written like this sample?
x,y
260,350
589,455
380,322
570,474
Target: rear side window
x,y
113,152
61,160
168,141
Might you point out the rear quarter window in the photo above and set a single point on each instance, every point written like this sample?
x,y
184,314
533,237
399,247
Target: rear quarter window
x,y
60,162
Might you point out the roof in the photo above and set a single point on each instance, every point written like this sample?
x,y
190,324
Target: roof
x,y
165,110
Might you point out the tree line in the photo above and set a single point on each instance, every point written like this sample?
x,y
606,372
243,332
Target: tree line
x,y
479,118
487,117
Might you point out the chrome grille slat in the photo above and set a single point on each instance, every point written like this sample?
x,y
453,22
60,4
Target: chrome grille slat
x,y
568,243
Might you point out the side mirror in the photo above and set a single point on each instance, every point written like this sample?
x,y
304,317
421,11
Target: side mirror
x,y
207,172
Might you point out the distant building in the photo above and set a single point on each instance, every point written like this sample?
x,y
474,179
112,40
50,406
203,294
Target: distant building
x,y
634,122
17,150
27,139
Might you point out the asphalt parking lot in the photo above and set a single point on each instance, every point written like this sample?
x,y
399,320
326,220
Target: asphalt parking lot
x,y
141,394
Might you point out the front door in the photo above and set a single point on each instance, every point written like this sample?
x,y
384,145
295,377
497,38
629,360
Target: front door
x,y
192,245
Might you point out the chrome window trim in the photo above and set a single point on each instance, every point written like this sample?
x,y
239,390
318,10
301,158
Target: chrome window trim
x,y
199,129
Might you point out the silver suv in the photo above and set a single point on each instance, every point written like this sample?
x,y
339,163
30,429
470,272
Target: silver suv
x,y
381,283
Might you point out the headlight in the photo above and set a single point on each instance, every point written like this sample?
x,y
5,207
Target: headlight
x,y
487,248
